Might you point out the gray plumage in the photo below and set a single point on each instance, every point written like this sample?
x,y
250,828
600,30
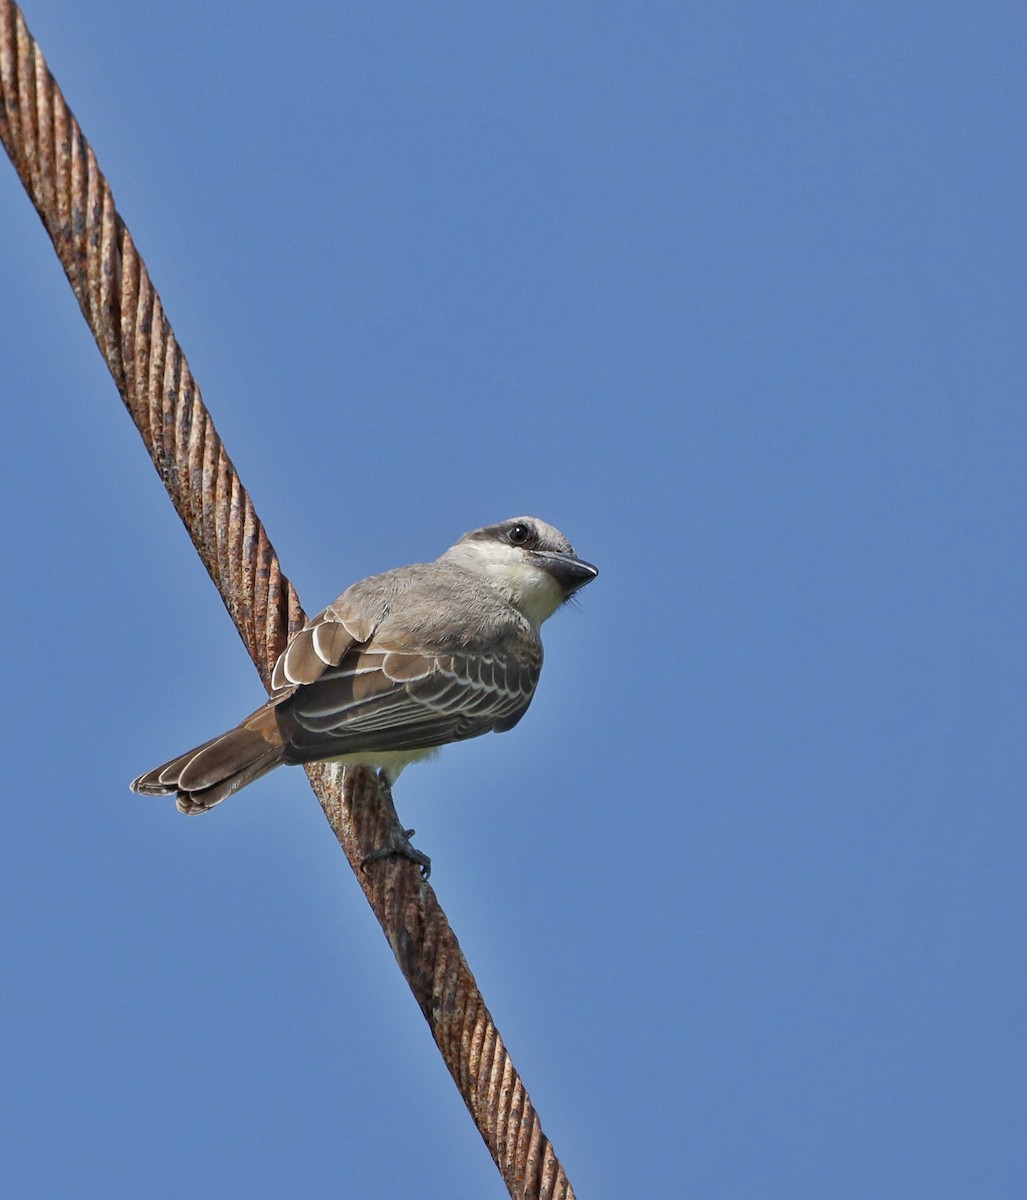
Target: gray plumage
x,y
400,664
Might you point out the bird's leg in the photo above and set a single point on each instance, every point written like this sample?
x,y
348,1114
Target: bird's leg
x,y
397,841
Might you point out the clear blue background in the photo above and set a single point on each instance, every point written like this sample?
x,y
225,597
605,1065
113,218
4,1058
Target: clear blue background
x,y
733,294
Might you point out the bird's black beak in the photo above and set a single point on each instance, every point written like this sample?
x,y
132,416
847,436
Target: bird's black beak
x,y
570,572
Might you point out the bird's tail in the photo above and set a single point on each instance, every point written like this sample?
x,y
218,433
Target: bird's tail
x,y
204,776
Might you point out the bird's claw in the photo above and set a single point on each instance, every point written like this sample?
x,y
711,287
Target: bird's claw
x,y
398,842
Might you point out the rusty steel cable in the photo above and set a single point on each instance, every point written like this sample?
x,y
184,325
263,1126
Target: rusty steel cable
x,y
110,280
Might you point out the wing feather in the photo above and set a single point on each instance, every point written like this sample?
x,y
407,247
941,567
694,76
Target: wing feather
x,y
375,701
325,641
331,641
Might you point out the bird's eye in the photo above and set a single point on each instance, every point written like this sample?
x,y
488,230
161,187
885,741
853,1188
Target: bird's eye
x,y
519,534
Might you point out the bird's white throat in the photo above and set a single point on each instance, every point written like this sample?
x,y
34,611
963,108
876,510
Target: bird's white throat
x,y
529,588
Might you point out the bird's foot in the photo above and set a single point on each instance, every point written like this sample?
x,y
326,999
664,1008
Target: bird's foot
x,y
398,842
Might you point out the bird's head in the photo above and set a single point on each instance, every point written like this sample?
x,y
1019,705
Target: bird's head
x,y
530,562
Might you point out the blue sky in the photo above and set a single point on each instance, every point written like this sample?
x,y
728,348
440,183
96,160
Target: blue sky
x,y
734,295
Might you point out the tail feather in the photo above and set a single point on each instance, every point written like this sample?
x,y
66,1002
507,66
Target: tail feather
x,y
207,774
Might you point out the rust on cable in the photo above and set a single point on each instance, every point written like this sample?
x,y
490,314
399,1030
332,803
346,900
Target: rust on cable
x,y
110,280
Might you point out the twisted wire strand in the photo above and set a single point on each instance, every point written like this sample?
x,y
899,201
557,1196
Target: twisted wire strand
x,y
110,280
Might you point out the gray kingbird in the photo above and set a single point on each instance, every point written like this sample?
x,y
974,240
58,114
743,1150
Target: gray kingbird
x,y
401,664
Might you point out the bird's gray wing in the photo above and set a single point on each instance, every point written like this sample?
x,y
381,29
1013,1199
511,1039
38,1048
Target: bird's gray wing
x,y
393,694
324,641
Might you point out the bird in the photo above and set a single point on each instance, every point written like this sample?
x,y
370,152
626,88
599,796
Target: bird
x,y
401,664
